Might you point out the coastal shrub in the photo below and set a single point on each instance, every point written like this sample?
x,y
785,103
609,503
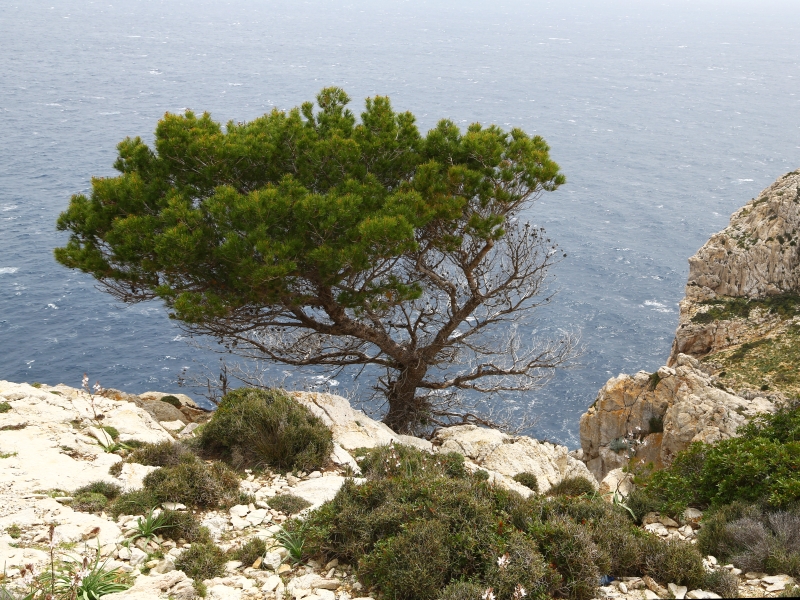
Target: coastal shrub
x,y
671,561
137,502
723,583
162,454
258,428
572,486
754,538
570,549
4,407
89,502
183,525
529,480
202,561
412,565
250,551
519,564
171,400
288,504
762,465
195,483
462,590
107,489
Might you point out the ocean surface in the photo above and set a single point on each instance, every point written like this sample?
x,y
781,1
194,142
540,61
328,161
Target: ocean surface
x,y
665,118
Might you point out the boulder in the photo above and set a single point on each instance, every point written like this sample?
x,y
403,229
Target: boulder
x,y
686,401
507,455
352,428
174,585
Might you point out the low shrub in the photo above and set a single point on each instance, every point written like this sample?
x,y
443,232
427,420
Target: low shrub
x,y
171,400
109,490
202,561
194,483
520,566
162,454
288,503
529,480
251,551
137,502
412,565
572,486
179,525
723,583
462,590
671,561
257,428
113,432
4,407
570,549
89,502
754,538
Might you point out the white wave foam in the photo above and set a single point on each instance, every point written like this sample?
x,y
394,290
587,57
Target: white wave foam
x,y
9,207
657,306
8,270
53,306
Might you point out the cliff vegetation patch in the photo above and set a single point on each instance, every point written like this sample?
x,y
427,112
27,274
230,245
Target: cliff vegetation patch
x,y
422,527
785,306
766,364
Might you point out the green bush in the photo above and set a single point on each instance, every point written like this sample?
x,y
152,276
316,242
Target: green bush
x,y
257,428
136,502
4,407
109,490
572,486
89,502
412,565
570,548
171,400
202,561
760,466
194,483
529,480
179,525
288,503
521,564
251,551
462,590
671,561
162,454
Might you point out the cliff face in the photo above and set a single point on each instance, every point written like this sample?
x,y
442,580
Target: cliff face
x,y
756,256
741,317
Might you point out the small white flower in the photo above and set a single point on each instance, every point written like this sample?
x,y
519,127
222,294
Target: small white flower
x,y
488,594
503,561
519,592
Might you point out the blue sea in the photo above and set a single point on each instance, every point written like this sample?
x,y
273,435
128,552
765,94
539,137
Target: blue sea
x,y
665,117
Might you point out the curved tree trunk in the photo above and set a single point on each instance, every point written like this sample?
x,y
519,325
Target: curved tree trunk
x,y
406,410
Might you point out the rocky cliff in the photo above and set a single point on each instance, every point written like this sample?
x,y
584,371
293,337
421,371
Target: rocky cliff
x,y
735,351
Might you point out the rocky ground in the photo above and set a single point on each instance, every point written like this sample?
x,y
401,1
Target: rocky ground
x,y
52,441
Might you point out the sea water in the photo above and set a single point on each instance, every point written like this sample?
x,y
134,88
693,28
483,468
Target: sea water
x,y
665,117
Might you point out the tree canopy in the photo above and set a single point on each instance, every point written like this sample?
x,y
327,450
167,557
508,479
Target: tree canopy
x,y
310,237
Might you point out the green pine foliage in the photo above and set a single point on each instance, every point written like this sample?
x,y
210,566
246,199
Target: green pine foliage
x,y
319,228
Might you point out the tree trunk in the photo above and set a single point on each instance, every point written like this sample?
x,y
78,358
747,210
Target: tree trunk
x,y
407,412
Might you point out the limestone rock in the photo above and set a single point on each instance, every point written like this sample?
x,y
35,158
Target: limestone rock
x,y
753,257
352,428
175,585
508,455
686,401
616,482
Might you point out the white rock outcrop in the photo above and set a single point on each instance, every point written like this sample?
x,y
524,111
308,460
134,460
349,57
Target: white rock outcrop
x,y
757,255
505,456
684,399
